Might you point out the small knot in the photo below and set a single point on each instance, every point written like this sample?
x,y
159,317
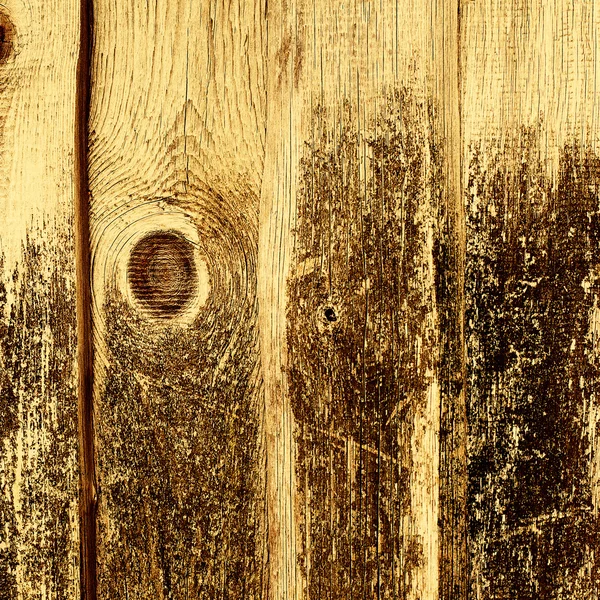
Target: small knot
x,y
330,314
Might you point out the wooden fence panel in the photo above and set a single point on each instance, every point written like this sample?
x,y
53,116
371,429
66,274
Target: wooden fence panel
x,y
531,177
176,158
285,198
39,471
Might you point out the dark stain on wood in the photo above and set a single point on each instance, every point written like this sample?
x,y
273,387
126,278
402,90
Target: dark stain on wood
x,y
454,563
7,36
85,349
448,258
532,280
180,464
361,342
162,273
9,424
38,423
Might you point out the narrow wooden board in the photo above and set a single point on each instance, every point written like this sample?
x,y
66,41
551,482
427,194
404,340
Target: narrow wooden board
x,y
359,218
39,473
176,159
531,176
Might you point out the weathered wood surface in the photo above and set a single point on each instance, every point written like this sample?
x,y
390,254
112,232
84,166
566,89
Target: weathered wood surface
x,y
39,474
358,232
294,206
307,469
176,158
532,173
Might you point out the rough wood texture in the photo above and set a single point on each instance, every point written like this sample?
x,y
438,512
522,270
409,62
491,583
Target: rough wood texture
x,y
531,165
39,512
356,210
338,278
176,134
344,293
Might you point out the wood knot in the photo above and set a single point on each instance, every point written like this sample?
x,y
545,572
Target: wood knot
x,y
330,314
162,273
327,317
7,37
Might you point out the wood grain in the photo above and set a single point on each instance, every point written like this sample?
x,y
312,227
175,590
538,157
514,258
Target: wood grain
x,y
344,296
359,212
338,119
282,274
176,159
39,471
531,169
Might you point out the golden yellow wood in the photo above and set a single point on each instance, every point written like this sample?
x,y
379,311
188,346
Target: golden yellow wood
x,y
176,158
39,472
360,190
210,415
343,288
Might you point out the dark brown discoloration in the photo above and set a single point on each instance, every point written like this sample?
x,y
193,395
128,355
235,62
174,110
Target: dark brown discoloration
x,y
180,466
9,424
449,294
7,37
362,344
39,542
85,344
533,247
162,273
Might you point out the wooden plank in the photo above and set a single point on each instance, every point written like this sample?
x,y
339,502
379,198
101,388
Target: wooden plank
x,y
359,213
532,175
39,480
176,158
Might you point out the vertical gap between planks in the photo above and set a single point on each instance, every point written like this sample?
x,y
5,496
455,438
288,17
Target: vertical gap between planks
x,y
87,500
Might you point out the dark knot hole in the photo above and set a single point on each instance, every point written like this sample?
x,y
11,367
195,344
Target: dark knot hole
x,y
330,315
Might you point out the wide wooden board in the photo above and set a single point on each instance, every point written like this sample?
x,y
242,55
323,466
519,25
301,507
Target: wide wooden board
x,y
531,180
176,157
39,471
360,212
